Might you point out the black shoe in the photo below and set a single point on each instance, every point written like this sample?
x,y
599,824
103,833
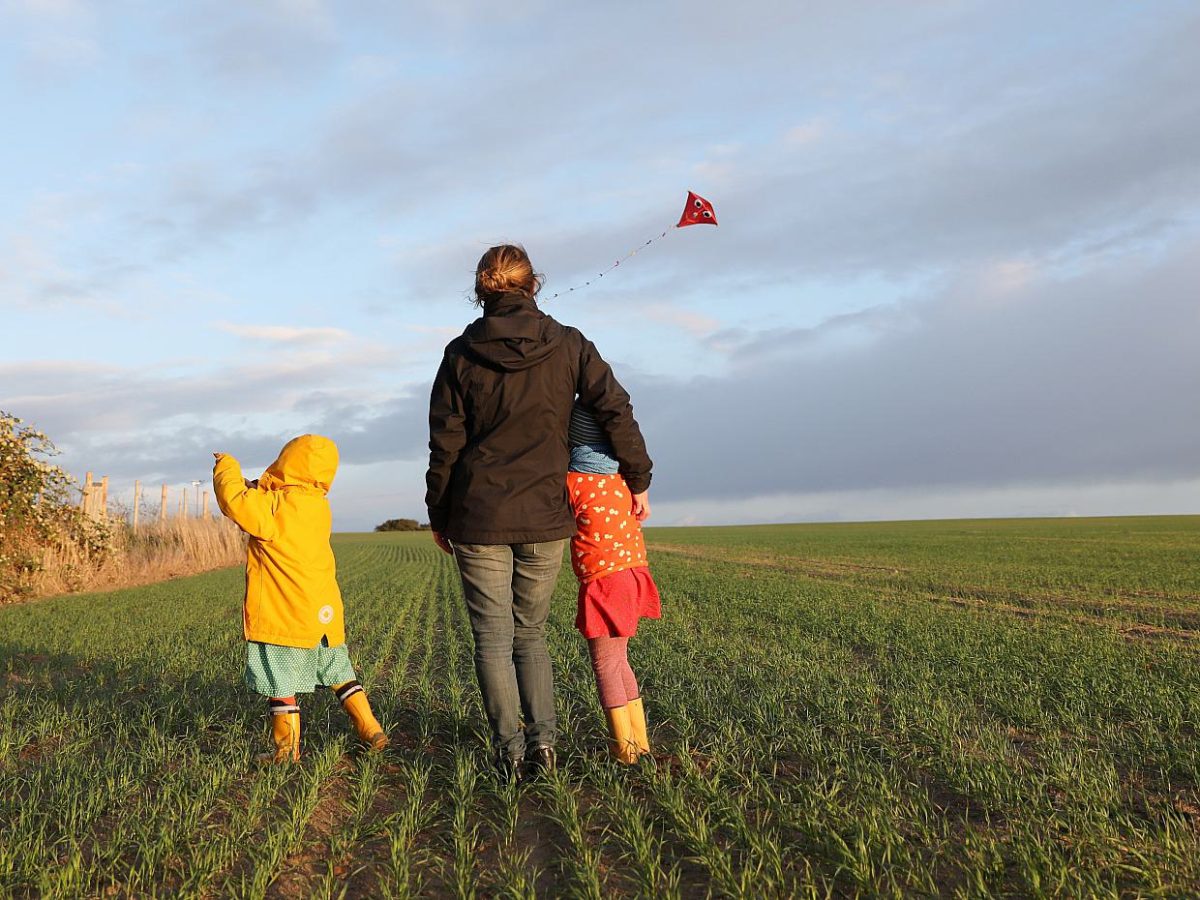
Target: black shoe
x,y
540,760
511,769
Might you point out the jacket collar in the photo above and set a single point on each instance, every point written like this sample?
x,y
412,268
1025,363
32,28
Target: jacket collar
x,y
509,304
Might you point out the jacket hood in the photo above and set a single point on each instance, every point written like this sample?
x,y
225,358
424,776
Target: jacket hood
x,y
513,334
307,461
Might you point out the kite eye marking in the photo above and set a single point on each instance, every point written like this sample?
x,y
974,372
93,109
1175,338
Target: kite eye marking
x,y
707,214
699,204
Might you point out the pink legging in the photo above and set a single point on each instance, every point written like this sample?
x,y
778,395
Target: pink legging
x,y
614,678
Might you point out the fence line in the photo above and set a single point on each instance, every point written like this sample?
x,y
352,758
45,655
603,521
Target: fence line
x,y
94,502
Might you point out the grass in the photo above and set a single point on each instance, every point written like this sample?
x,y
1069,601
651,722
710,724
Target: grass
x,y
940,708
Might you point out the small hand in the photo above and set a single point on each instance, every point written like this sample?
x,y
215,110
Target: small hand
x,y
641,506
443,542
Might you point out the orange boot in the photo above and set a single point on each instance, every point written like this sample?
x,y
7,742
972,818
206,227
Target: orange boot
x,y
620,735
285,732
637,726
354,700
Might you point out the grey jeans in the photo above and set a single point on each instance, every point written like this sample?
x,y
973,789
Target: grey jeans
x,y
507,589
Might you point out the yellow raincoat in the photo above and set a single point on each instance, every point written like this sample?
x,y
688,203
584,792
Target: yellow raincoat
x,y
292,596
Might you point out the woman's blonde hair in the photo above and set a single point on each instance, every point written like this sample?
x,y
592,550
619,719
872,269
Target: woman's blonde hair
x,y
505,269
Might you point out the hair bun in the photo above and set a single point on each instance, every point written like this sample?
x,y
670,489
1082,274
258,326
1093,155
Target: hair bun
x,y
505,269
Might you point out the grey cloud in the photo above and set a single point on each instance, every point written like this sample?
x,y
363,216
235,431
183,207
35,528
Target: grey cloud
x,y
1062,380
1010,156
75,401
1065,380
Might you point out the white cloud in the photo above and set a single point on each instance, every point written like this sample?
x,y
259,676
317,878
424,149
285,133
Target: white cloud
x,y
284,334
806,133
694,323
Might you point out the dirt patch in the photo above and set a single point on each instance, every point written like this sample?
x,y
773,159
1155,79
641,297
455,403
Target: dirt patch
x,y
302,870
1130,631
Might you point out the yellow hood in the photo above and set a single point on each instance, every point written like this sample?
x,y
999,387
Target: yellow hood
x,y
307,461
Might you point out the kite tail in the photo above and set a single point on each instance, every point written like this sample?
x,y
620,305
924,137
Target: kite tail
x,y
634,252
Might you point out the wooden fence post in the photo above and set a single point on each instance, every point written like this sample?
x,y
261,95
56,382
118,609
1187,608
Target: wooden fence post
x,y
204,515
102,512
137,503
84,501
162,509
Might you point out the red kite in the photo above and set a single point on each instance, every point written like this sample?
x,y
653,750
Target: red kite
x,y
697,211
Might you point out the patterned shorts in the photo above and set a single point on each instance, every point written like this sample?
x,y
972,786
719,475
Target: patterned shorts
x,y
276,671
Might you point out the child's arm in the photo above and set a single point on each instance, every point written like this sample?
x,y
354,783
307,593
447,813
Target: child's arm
x,y
251,510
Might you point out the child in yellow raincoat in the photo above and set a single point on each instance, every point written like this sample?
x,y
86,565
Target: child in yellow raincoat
x,y
292,614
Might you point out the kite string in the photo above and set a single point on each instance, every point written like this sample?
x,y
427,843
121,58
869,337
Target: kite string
x,y
634,252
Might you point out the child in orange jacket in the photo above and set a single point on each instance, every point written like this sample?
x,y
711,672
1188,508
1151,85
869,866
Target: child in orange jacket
x,y
616,589
292,614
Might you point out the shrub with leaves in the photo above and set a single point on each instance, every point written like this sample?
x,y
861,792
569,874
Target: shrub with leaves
x,y
37,509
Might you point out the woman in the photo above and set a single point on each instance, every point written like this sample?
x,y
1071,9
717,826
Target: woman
x,y
497,499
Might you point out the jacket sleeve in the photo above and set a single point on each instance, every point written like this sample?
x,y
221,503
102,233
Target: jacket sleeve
x,y
250,509
600,392
447,437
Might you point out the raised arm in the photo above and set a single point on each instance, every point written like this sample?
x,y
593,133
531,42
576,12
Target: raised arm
x,y
600,392
447,437
250,509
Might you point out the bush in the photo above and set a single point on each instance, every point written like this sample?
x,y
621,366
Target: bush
x,y
400,525
37,511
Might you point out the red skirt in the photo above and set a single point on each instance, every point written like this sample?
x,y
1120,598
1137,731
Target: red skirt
x,y
611,606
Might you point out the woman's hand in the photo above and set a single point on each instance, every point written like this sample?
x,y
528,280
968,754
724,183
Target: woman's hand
x,y
442,541
641,506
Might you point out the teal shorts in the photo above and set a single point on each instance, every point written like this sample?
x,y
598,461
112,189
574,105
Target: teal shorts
x,y
276,671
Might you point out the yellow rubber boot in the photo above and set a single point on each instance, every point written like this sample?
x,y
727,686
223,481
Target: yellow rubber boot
x,y
366,726
637,726
285,734
620,742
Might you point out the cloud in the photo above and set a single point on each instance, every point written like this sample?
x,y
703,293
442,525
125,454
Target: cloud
x,y
33,275
1106,499
252,44
284,334
57,37
1069,380
63,51
1021,211
125,416
688,321
1003,161
806,132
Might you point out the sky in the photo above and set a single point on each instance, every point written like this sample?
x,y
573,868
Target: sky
x,y
955,273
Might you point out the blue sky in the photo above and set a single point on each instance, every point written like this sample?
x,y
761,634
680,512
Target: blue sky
x,y
954,273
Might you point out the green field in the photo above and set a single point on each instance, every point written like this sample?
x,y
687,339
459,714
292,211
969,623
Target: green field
x,y
972,708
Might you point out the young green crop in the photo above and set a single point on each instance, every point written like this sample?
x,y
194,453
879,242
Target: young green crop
x,y
892,709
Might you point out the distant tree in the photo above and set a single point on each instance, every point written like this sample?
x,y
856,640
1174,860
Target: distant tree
x,y
399,525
